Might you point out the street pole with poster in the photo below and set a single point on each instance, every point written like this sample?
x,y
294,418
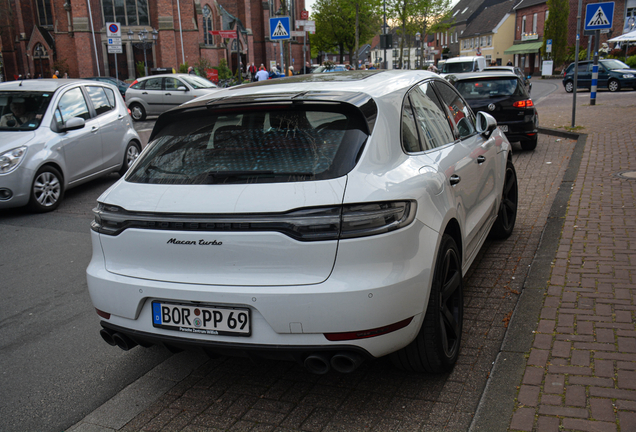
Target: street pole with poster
x,y
304,15
113,32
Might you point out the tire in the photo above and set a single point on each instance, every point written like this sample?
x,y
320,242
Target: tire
x,y
530,144
436,347
47,190
569,86
132,152
507,216
613,85
137,112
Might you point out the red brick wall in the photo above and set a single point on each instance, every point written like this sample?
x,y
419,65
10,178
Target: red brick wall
x,y
529,13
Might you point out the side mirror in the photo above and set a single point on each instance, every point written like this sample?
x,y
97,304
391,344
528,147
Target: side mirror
x,y
485,123
73,124
182,88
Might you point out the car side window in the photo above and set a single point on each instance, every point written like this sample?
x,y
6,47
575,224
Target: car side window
x,y
410,140
431,121
111,97
100,100
138,86
461,115
172,83
153,84
72,104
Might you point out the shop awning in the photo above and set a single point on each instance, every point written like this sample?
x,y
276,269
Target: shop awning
x,y
525,48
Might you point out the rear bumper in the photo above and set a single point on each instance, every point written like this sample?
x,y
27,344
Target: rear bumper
x,y
369,288
522,130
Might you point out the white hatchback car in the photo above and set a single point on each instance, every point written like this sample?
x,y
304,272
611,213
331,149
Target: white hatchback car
x,y
328,218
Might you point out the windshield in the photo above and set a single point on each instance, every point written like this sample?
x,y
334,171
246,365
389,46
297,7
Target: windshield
x,y
21,110
197,82
321,69
458,67
488,88
261,146
614,64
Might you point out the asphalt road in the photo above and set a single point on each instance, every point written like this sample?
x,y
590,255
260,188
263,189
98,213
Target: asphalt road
x,y
55,368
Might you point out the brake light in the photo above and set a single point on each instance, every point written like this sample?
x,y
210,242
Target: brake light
x,y
102,314
129,111
364,334
523,104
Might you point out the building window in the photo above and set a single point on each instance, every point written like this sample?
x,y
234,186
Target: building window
x,y
44,13
207,25
534,24
126,12
523,25
484,39
490,40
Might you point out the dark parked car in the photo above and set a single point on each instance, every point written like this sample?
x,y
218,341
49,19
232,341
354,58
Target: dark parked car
x,y
121,86
612,74
504,96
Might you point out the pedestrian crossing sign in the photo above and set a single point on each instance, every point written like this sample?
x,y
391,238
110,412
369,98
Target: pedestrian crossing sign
x,y
279,28
599,16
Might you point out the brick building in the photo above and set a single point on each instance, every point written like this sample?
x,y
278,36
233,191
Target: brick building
x,y
41,36
531,16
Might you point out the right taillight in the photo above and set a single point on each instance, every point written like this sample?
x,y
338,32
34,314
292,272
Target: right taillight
x,y
523,104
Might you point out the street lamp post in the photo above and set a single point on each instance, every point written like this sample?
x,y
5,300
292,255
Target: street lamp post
x,y
143,36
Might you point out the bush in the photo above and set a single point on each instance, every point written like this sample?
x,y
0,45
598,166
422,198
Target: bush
x,y
183,68
224,71
141,70
631,61
201,66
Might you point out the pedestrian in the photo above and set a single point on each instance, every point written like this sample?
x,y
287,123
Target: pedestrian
x,y
65,75
55,75
28,76
262,74
191,70
509,63
253,71
290,71
307,68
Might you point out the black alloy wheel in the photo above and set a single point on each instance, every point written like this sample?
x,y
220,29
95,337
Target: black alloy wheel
x,y
436,347
507,216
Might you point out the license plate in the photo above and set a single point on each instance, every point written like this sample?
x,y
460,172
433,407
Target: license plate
x,y
504,128
201,319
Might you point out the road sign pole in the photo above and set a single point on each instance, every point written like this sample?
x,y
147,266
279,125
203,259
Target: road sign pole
x,y
576,61
595,69
116,69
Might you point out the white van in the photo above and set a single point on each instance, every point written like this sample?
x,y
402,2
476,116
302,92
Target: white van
x,y
463,64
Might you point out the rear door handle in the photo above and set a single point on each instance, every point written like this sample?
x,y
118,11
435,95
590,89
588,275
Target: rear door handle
x,y
168,94
454,179
481,159
94,129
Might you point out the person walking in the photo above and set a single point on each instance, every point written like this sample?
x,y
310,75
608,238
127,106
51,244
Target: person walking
x,y
56,74
262,74
253,71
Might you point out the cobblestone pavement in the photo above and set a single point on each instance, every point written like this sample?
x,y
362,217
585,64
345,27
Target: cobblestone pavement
x,y
239,394
581,370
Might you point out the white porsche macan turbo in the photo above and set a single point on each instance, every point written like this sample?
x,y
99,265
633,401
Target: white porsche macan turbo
x,y
326,218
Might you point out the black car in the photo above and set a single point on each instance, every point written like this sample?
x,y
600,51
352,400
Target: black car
x,y
504,96
121,86
612,74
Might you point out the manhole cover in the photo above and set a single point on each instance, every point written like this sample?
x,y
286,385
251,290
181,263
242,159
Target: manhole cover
x,y
630,175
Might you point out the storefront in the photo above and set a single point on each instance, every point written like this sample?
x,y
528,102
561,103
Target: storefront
x,y
527,56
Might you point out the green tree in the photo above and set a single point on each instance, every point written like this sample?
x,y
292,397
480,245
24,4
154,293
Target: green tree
x,y
556,28
412,16
336,24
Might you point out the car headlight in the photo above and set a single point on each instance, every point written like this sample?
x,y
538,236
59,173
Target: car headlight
x,y
10,160
628,76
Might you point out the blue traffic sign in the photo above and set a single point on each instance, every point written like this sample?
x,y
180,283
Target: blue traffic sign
x,y
599,16
279,28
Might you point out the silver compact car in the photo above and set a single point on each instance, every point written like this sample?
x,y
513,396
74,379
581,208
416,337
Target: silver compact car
x,y
58,133
152,95
326,218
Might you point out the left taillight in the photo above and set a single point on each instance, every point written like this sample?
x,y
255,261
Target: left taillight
x,y
523,104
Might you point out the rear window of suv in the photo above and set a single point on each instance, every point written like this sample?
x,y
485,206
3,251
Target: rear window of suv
x,y
263,145
487,88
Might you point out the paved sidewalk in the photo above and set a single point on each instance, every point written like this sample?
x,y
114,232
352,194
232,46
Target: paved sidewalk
x,y
579,371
